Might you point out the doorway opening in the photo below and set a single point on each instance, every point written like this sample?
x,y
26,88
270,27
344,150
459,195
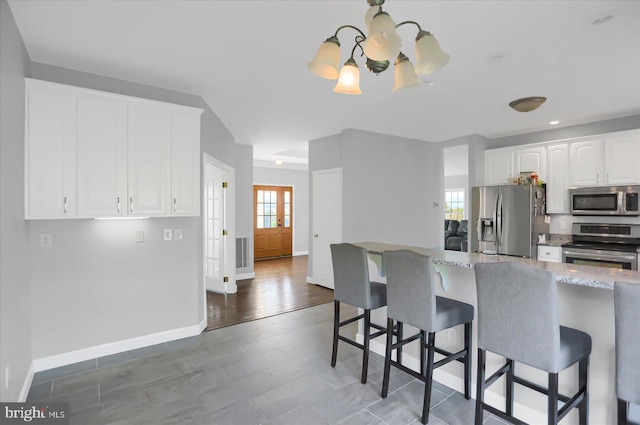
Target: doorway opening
x,y
273,221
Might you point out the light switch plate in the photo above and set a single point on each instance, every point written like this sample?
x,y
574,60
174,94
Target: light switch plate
x,y
167,234
178,234
45,240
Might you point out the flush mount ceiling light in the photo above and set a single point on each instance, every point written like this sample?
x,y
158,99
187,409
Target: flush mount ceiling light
x,y
382,45
527,104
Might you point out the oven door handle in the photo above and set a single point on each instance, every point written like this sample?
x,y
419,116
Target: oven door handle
x,y
591,255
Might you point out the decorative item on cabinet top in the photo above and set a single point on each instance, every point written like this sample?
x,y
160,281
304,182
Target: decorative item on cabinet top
x,y
92,154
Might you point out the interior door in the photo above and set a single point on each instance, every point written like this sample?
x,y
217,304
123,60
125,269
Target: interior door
x,y
273,225
214,207
327,223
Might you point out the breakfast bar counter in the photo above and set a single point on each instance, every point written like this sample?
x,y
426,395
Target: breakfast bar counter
x,y
585,302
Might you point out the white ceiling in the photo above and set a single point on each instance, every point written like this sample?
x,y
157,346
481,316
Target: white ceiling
x,y
248,60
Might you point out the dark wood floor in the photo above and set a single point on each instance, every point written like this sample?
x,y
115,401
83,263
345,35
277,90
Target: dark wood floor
x,y
279,286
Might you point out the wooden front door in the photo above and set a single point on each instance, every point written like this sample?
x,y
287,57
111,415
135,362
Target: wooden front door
x,y
272,224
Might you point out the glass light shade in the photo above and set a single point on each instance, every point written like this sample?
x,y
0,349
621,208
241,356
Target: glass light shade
x,y
381,28
349,81
389,49
405,76
369,15
429,55
326,62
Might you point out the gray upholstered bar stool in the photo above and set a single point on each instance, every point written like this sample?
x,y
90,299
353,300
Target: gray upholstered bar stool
x,y
627,303
412,300
352,286
518,319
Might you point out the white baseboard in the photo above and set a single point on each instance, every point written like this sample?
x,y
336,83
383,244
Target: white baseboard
x,y
89,353
310,280
457,383
297,253
243,276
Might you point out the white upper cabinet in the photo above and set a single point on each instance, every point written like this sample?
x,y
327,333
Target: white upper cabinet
x,y
531,159
558,178
185,164
148,161
102,156
50,148
586,162
95,154
622,157
498,166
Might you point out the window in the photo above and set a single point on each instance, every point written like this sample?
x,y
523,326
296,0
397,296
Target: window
x,y
267,209
454,204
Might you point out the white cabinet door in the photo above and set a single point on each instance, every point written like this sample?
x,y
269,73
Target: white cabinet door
x,y
498,166
101,156
185,163
558,178
622,157
50,153
148,163
587,166
531,159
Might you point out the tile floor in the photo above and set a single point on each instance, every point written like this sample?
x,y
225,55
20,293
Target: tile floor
x,y
270,371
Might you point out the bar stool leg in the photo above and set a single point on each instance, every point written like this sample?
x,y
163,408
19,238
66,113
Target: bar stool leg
x,y
467,361
387,359
583,409
552,405
399,338
367,337
480,384
423,353
510,385
622,412
336,329
429,377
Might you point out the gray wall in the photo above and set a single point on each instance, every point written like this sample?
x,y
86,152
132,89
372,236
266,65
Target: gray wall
x,y
393,187
15,291
88,289
299,180
244,200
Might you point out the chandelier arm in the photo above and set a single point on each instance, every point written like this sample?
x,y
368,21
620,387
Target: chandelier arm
x,y
409,22
349,26
358,41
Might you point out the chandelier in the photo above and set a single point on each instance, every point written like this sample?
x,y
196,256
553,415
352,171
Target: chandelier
x,y
382,45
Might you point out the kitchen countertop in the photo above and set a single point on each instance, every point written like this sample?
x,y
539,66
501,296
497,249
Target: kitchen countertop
x,y
597,277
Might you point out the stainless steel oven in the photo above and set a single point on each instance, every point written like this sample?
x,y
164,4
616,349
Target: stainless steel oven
x,y
604,245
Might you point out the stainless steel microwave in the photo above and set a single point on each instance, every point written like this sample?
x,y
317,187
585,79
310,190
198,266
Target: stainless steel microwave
x,y
605,200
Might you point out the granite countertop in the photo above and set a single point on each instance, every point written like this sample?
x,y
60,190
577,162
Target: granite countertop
x,y
597,277
555,239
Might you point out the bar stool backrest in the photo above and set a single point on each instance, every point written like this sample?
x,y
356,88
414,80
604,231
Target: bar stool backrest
x,y
627,308
518,314
411,294
351,275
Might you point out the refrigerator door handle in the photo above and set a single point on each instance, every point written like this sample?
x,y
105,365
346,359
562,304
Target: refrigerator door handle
x,y
499,221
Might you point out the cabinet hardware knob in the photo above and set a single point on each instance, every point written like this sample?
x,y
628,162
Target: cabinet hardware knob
x,y
175,202
65,204
118,204
131,204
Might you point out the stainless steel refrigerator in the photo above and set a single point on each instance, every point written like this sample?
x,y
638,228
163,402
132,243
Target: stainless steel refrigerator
x,y
507,220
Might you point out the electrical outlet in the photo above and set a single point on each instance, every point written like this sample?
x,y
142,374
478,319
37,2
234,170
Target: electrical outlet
x,y
177,233
45,240
167,234
139,236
